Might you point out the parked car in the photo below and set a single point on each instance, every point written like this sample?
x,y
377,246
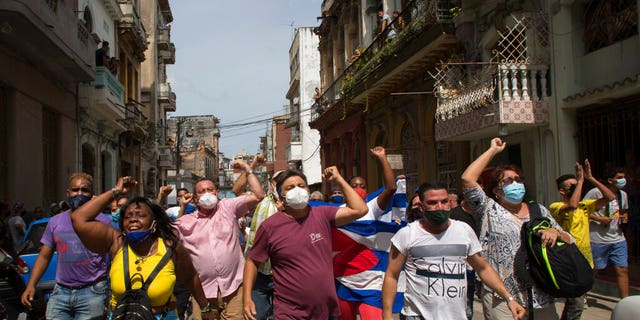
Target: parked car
x,y
32,244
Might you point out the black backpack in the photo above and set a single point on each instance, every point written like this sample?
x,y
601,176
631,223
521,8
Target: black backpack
x,y
135,303
560,270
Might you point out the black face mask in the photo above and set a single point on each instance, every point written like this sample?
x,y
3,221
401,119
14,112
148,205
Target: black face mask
x,y
416,214
437,217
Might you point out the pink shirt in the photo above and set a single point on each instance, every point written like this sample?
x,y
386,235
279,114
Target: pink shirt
x,y
213,244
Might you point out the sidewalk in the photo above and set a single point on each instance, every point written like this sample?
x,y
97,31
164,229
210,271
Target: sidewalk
x,y
600,307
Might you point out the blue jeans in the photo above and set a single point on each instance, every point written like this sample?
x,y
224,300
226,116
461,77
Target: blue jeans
x,y
262,295
83,304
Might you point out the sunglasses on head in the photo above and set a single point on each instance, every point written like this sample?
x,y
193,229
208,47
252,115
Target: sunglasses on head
x,y
510,180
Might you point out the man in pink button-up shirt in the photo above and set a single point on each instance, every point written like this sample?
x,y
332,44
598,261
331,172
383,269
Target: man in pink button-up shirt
x,y
211,236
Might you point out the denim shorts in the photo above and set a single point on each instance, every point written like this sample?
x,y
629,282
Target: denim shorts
x,y
610,253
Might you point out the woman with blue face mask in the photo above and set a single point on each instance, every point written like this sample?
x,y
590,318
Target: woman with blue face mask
x,y
501,210
146,235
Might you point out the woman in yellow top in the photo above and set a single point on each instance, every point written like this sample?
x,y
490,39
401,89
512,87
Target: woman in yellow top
x,y
149,233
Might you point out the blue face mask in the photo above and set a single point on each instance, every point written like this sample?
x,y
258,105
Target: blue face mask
x,y
76,201
337,199
620,183
139,237
514,192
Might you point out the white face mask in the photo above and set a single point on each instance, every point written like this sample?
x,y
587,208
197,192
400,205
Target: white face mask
x,y
297,198
208,201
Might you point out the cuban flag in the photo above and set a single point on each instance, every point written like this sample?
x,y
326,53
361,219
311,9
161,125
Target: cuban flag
x,y
361,251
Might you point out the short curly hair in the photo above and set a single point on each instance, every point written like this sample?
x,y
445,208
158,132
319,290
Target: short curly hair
x,y
82,175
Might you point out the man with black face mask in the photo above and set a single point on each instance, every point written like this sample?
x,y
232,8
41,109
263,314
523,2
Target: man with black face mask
x,y
81,275
434,252
573,216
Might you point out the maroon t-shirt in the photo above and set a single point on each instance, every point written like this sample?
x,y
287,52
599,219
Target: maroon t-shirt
x,y
300,253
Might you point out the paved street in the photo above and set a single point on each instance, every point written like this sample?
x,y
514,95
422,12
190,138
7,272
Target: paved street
x,y
600,308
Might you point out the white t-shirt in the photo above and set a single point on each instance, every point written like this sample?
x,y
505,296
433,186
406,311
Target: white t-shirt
x,y
436,286
610,233
173,212
374,212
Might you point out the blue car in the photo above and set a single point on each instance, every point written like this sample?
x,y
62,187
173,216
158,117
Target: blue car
x,y
32,244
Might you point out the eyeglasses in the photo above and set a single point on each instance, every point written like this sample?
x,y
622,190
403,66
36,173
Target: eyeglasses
x,y
83,190
508,181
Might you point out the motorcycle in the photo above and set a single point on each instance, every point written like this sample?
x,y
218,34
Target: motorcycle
x,y
11,286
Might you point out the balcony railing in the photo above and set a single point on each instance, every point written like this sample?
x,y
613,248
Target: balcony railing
x,y
169,55
167,97
131,24
418,15
511,95
104,78
508,83
164,38
165,157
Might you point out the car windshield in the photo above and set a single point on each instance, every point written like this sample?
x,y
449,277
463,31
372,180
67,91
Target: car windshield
x,y
33,238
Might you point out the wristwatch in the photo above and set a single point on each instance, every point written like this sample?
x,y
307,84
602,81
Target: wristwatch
x,y
206,308
510,298
248,172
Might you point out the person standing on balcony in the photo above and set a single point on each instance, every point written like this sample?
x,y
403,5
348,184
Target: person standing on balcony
x,y
399,23
102,55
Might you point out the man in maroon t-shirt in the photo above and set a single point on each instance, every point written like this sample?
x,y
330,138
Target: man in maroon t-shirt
x,y
298,242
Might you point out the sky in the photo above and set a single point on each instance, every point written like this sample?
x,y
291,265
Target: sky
x,y
232,61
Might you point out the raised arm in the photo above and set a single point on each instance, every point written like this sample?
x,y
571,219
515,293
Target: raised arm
x,y
607,194
163,193
474,170
355,207
389,179
257,194
241,183
95,235
574,200
184,201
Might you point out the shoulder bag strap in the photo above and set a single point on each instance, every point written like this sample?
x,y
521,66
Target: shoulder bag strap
x,y
534,210
158,267
125,259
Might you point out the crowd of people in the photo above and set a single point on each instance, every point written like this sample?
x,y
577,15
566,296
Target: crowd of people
x,y
285,253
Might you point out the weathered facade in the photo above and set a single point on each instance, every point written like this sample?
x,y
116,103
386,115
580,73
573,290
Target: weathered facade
x,y
45,51
193,140
381,96
304,65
